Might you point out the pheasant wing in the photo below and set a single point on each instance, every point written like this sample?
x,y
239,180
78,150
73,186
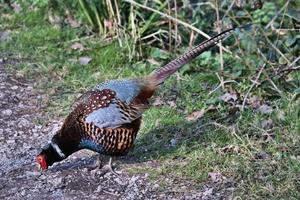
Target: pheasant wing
x,y
105,110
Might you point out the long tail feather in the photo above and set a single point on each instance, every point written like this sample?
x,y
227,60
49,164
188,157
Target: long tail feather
x,y
164,72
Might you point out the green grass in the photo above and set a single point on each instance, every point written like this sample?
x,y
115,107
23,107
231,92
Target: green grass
x,y
230,144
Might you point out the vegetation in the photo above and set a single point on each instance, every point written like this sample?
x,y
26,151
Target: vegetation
x,y
233,111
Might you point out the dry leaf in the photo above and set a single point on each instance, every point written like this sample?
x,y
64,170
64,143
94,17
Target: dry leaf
x,y
158,102
267,124
198,114
173,142
265,109
108,24
267,137
195,115
84,60
280,115
262,155
16,7
172,104
216,176
230,149
78,46
229,97
71,20
255,102
153,61
73,23
207,192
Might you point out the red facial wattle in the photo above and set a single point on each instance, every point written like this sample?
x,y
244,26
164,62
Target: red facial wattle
x,y
41,160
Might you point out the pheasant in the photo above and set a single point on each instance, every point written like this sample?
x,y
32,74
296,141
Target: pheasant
x,y
107,118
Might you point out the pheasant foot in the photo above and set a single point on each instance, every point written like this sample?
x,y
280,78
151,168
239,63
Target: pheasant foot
x,y
103,169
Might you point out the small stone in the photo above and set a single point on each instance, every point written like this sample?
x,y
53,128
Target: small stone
x,y
133,179
56,181
23,123
29,88
173,142
15,87
23,192
34,173
266,124
84,170
43,177
262,155
265,109
10,141
7,112
99,189
119,181
2,95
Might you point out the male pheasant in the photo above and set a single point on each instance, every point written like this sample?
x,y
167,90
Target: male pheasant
x,y
107,118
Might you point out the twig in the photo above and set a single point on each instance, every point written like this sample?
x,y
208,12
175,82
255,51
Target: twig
x,y
230,81
232,130
229,8
274,85
276,88
295,61
272,20
110,193
252,86
274,47
177,21
220,42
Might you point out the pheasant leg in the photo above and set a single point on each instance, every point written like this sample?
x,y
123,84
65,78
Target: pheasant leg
x,y
110,167
103,169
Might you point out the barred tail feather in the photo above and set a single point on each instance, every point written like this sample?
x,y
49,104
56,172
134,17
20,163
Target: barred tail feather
x,y
164,72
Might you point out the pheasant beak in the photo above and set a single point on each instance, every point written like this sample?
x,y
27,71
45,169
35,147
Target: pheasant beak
x,y
41,162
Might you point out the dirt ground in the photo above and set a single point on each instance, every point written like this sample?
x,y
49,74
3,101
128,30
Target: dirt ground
x,y
21,137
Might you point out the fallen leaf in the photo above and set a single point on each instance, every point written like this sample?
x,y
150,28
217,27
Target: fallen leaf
x,y
108,24
227,97
230,149
84,60
158,102
255,102
71,20
216,176
16,7
5,35
172,104
262,155
267,137
265,109
153,61
208,192
195,115
173,142
280,115
78,46
73,23
266,124
198,114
